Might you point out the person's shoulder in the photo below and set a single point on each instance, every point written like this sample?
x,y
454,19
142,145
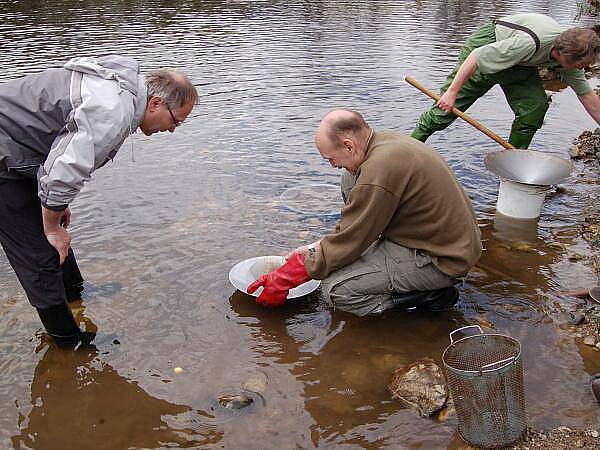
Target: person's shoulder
x,y
394,158
528,17
394,142
541,24
395,154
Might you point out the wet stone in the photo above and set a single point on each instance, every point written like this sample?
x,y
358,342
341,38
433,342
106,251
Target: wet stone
x,y
524,247
591,230
420,385
557,246
256,383
576,257
589,340
235,401
587,144
448,411
575,318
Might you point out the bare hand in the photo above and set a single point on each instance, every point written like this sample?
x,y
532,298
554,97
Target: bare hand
x,y
447,101
61,241
65,220
55,223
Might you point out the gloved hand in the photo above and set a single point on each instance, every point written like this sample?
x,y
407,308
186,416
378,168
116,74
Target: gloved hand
x,y
277,284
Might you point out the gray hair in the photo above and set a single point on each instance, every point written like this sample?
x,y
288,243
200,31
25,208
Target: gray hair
x,y
172,86
578,44
345,122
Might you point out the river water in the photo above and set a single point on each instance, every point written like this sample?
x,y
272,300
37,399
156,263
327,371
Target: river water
x,y
157,231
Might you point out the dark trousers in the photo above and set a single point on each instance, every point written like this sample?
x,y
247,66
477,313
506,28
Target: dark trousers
x,y
33,259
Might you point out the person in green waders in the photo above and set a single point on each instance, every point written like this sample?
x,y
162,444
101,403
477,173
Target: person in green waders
x,y
507,52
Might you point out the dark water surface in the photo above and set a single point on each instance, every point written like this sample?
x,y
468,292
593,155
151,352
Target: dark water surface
x,y
157,231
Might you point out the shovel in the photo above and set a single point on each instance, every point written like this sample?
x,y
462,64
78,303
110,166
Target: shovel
x,y
462,115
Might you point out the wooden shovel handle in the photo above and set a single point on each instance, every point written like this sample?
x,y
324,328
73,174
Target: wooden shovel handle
x,y
462,115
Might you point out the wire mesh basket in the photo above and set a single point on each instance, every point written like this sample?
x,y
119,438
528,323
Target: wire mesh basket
x,y
485,377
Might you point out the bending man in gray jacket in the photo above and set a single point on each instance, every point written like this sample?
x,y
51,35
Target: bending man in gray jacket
x,y
56,128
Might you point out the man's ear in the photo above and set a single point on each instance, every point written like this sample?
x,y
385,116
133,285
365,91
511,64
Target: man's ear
x,y
348,144
154,103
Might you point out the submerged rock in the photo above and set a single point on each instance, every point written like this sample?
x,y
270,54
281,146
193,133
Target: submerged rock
x,y
576,257
235,400
257,383
524,247
420,385
447,412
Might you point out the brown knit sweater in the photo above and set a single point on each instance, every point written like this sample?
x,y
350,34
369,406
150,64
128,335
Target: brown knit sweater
x,y
406,193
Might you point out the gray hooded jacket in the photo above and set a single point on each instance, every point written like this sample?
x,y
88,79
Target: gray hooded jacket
x,y
62,124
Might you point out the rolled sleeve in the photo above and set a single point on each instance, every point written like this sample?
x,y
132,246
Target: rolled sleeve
x,y
576,80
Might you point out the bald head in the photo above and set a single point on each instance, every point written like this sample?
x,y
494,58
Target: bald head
x,y
342,123
342,138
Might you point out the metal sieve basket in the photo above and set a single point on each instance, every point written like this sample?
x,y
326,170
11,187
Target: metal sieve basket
x,y
485,377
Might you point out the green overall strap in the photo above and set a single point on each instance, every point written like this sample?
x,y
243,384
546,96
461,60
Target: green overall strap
x,y
515,26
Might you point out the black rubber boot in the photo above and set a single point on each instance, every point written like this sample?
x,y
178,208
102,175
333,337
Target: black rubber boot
x,y
437,300
440,300
59,323
73,293
72,279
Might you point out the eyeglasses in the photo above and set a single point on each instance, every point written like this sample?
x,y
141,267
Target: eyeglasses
x,y
175,121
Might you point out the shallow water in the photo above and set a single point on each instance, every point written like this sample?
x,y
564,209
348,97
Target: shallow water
x,y
157,231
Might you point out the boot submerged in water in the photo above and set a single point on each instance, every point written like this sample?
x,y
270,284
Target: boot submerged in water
x,y
61,326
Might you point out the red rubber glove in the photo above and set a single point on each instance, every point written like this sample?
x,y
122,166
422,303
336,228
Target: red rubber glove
x,y
277,284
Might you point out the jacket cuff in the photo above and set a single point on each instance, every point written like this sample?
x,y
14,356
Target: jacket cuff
x,y
55,207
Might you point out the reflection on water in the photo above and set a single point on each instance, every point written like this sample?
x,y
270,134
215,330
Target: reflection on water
x,y
345,362
166,226
79,401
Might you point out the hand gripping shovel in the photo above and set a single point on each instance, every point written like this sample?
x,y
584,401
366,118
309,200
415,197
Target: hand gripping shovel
x,y
462,115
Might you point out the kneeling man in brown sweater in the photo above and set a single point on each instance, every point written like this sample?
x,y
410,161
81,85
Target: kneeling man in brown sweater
x,y
407,232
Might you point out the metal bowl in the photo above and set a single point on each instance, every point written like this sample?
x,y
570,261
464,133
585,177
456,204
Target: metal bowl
x,y
249,270
528,166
